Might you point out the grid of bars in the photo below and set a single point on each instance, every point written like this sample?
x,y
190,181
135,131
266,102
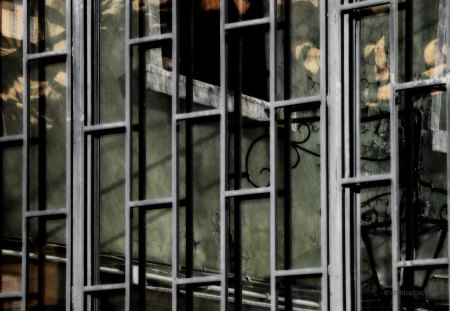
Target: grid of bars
x,y
81,155
346,179
40,214
84,133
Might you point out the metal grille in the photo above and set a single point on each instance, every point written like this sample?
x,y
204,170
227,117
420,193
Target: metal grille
x,y
253,105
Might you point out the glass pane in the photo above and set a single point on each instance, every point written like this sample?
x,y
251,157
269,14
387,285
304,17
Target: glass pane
x,y
152,254
200,55
199,298
375,248
242,10
11,90
10,219
150,18
111,60
109,233
47,264
152,129
111,301
11,192
249,246
10,266
14,305
158,297
375,94
422,39
298,55
423,173
48,121
423,289
47,25
299,294
298,181
199,185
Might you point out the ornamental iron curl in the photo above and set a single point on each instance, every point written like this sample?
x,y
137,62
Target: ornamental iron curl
x,y
295,144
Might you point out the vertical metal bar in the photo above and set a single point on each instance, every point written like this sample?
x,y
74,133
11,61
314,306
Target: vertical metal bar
x,y
272,152
336,273
69,130
142,159
287,217
323,154
189,145
223,161
287,42
175,100
395,212
356,212
237,152
447,101
347,141
128,148
26,154
79,96
356,101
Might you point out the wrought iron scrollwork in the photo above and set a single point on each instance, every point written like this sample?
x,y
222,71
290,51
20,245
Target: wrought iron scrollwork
x,y
304,128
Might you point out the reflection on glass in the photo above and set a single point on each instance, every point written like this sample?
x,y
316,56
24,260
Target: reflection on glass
x,y
110,234
12,305
47,267
298,180
11,79
299,53
423,173
151,113
242,10
48,136
422,39
150,18
110,301
199,55
375,94
199,184
47,25
111,73
10,266
152,256
423,289
248,153
11,192
248,243
375,247
299,294
199,298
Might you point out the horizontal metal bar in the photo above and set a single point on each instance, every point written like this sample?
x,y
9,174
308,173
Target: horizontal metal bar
x,y
103,288
200,280
153,203
297,101
11,296
345,8
264,191
47,213
115,127
420,84
422,263
299,272
46,55
197,114
248,23
384,178
150,39
11,139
